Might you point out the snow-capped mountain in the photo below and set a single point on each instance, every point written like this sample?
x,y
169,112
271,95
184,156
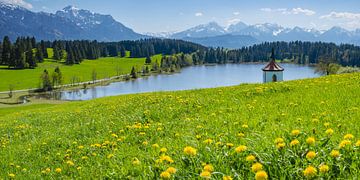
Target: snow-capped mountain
x,y
265,32
69,23
204,30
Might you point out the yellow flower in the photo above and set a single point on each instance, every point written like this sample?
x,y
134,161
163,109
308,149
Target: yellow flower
x,y
171,170
324,168
335,153
208,141
229,145
344,143
329,131
227,178
279,140
349,136
310,141
166,158
326,124
310,155
295,132
70,163
205,174
280,145
240,149
241,135
47,170
190,151
145,143
245,126
136,162
163,150
250,158
357,143
310,171
110,156
11,175
155,146
165,175
294,142
58,170
256,167
261,175
209,168
80,147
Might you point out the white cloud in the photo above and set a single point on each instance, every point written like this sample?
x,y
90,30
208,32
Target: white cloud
x,y
236,13
341,15
350,20
295,11
21,3
198,14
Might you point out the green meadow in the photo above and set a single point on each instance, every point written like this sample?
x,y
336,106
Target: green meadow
x,y
304,129
104,68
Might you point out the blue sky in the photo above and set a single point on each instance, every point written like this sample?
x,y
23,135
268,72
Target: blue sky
x,y
176,15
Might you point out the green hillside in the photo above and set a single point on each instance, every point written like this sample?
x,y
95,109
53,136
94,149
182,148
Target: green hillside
x,y
105,67
290,130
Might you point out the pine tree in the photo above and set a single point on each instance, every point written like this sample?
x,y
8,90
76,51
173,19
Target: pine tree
x,y
19,58
39,54
148,60
46,82
44,49
133,73
6,52
30,60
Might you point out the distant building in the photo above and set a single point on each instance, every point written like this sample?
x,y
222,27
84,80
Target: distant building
x,y
273,72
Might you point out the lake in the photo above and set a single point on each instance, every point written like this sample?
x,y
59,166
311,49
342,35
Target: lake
x,y
193,77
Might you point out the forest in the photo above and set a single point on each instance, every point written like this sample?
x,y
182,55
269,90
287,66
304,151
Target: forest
x,y
26,52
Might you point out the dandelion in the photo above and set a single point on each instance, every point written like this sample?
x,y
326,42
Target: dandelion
x,y
294,142
256,167
334,153
166,158
280,145
165,175
357,144
163,150
205,174
310,171
229,145
245,126
329,131
11,175
261,175
208,141
208,168
136,162
324,168
78,168
310,155
70,163
58,170
80,147
171,170
295,132
240,149
279,140
250,158
344,143
190,151
349,136
327,124
310,141
47,170
155,146
241,135
227,178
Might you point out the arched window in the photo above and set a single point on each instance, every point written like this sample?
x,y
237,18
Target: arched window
x,y
274,78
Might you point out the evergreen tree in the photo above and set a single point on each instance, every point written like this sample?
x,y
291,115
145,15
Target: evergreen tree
x,y
148,60
19,57
45,81
39,54
133,73
30,60
44,49
6,51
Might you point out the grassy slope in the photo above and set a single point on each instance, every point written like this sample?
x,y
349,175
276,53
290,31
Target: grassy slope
x,y
105,67
67,136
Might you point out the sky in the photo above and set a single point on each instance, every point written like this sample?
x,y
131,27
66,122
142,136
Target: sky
x,y
176,15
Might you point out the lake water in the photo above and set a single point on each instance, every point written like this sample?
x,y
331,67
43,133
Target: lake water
x,y
193,77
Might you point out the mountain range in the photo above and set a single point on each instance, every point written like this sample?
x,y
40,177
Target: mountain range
x,y
72,23
69,23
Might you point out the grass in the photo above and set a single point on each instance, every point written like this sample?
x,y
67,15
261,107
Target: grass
x,y
210,132
10,110
105,67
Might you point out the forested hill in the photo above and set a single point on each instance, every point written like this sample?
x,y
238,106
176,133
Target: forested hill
x,y
297,52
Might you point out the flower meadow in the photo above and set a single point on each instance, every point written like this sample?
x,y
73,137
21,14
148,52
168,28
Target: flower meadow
x,y
304,129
